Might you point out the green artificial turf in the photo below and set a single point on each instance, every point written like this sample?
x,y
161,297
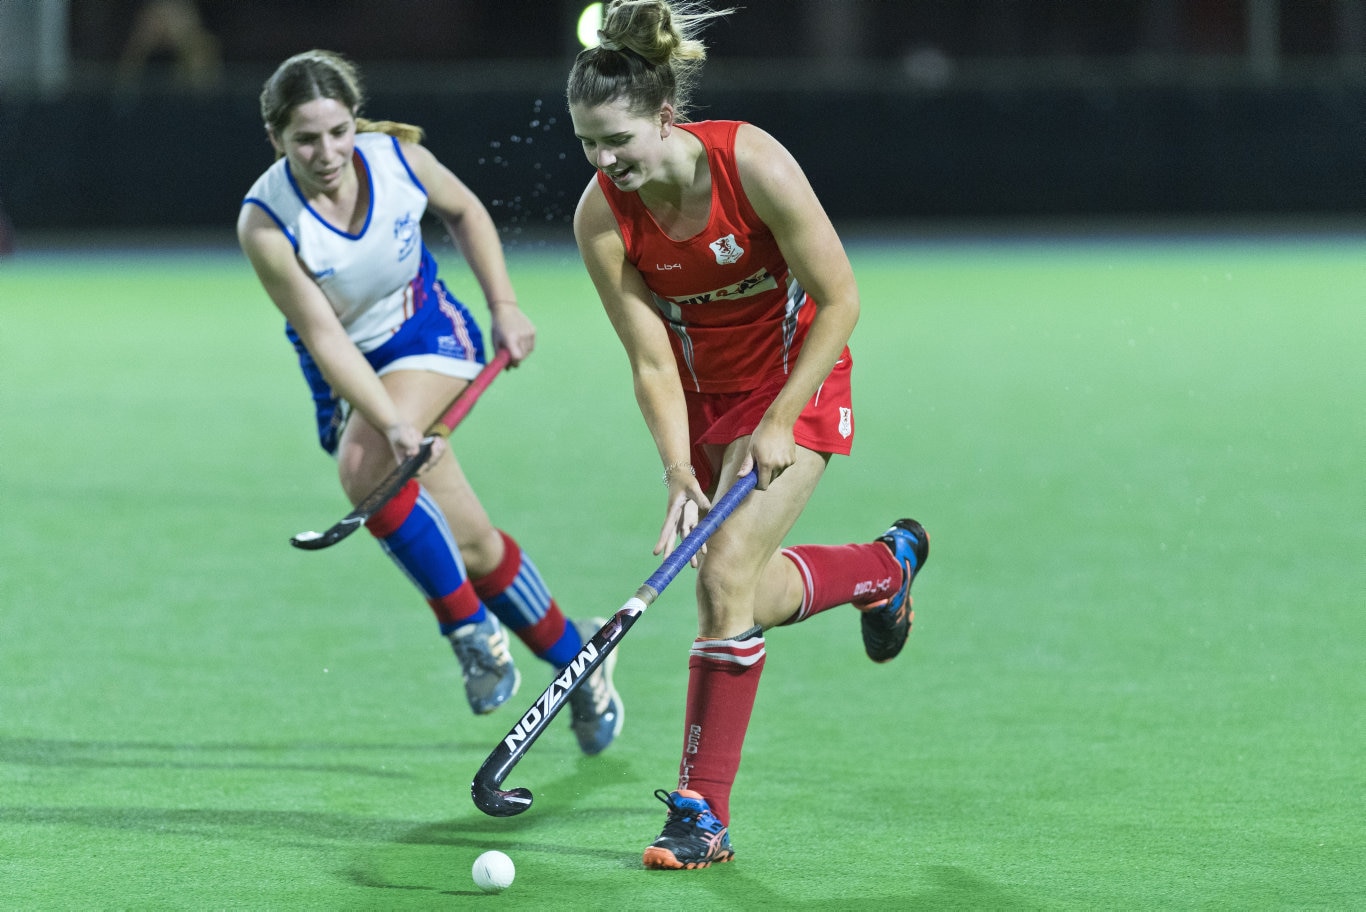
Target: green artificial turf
x,y
1135,682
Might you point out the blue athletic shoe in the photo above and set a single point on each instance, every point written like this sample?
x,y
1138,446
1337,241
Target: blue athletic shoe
x,y
692,837
490,677
596,711
887,622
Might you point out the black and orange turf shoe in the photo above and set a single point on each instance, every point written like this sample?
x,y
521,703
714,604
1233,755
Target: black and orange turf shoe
x,y
692,837
887,622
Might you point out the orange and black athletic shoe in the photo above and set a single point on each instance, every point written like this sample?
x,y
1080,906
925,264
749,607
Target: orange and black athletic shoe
x,y
692,837
887,622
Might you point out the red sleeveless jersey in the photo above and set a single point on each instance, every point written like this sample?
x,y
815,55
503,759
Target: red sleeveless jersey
x,y
736,316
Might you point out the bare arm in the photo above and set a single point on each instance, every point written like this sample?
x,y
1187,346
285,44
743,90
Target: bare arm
x,y
783,198
301,301
476,236
653,369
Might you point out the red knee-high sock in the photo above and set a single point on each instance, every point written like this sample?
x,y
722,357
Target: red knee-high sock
x,y
723,677
839,574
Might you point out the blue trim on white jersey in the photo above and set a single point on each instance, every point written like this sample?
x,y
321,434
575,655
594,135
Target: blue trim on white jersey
x,y
369,206
398,150
271,212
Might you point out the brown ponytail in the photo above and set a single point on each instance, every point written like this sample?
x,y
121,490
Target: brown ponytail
x,y
648,53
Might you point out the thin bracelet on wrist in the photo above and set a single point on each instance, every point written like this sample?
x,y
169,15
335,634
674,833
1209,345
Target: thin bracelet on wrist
x,y
668,470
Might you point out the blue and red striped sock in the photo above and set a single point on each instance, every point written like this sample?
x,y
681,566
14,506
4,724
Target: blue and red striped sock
x,y
516,594
413,532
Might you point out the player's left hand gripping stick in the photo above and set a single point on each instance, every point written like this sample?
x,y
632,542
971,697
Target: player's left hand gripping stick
x,y
495,802
408,469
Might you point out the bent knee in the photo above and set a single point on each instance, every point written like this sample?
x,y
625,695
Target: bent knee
x,y
360,468
721,587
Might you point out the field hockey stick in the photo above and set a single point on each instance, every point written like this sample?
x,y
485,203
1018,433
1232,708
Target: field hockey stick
x,y
406,470
495,802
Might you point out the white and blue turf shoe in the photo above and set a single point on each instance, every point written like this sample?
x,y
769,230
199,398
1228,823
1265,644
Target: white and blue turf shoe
x,y
596,711
490,676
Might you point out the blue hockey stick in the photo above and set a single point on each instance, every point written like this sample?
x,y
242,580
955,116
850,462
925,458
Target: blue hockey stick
x,y
495,802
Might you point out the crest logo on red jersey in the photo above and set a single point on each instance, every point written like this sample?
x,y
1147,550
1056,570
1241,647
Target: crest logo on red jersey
x,y
726,250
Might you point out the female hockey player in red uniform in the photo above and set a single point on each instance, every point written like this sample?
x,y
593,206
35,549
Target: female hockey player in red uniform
x,y
734,300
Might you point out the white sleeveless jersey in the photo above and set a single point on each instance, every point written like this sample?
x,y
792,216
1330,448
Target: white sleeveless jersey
x,y
366,276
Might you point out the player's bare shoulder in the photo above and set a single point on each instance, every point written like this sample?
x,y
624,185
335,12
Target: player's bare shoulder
x,y
593,216
421,160
759,154
261,238
772,179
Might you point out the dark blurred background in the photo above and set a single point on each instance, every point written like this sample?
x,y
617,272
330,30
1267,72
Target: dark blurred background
x,y
142,114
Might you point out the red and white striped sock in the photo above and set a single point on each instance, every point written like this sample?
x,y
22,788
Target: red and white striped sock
x,y
723,678
834,575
